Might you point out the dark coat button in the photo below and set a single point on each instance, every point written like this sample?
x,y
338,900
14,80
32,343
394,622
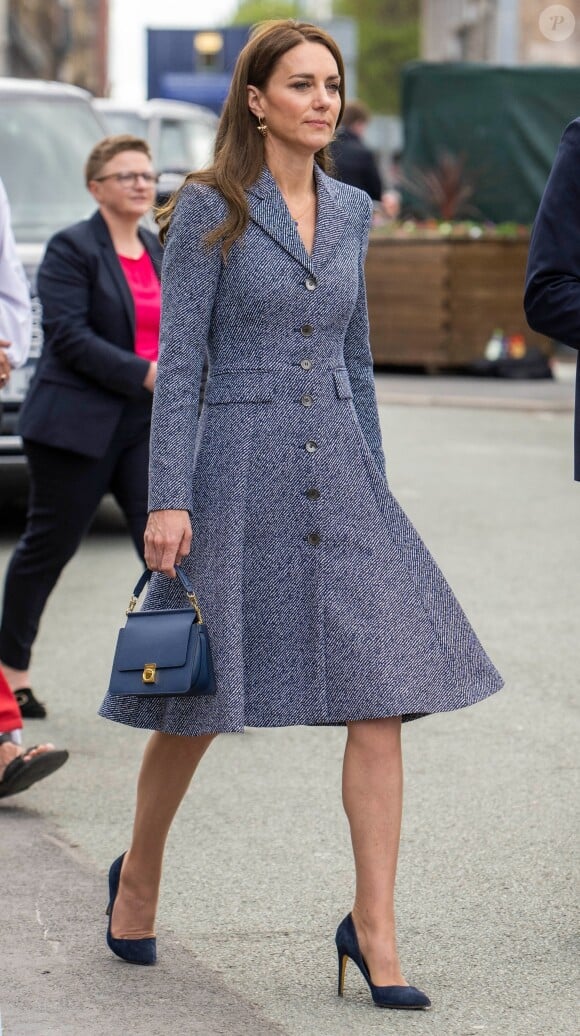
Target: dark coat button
x,y
313,539
307,400
306,330
311,446
311,282
313,493
306,365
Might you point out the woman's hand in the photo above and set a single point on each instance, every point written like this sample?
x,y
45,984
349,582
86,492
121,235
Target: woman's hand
x,y
167,540
150,377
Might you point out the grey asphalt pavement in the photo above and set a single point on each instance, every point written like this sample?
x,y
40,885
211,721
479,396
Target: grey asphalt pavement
x,y
258,869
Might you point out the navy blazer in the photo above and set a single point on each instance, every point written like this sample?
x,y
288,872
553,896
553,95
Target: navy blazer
x,y
88,369
552,297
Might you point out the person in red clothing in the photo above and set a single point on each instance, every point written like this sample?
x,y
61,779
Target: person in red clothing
x,y
85,422
20,768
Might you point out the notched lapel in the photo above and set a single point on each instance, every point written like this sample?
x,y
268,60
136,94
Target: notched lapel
x,y
269,211
332,220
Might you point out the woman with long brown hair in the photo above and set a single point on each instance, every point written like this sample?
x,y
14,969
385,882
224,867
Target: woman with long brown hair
x,y
323,605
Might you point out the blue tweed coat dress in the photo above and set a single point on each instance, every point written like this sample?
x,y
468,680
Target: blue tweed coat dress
x,y
322,603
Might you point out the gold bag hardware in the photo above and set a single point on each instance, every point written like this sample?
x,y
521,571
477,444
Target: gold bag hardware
x,y
149,673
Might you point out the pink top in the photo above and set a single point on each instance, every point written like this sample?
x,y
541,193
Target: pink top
x,y
146,291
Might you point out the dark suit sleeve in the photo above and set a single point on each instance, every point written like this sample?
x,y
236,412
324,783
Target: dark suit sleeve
x,y
64,286
372,178
552,295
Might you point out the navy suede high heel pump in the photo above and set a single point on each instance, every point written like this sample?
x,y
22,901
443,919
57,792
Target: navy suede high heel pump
x,y
402,998
134,951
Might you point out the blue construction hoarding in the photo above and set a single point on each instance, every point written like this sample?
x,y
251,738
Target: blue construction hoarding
x,y
193,64
196,65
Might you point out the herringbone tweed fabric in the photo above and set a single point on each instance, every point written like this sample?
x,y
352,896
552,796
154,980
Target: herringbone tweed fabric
x,y
323,604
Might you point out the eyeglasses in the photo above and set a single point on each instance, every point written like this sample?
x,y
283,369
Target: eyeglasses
x,y
129,179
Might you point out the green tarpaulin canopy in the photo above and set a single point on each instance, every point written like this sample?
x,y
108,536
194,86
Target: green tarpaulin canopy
x,y
506,122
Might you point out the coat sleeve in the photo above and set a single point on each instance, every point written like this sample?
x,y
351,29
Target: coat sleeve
x,y
552,295
189,282
65,279
359,361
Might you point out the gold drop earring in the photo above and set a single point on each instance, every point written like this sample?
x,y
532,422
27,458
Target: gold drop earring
x,y
262,128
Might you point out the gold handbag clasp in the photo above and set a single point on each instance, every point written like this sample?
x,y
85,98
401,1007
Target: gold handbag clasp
x,y
150,673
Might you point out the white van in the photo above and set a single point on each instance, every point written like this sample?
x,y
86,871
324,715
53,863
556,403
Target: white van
x,y
46,133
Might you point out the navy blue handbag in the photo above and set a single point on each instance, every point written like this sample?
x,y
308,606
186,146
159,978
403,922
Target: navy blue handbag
x,y
163,653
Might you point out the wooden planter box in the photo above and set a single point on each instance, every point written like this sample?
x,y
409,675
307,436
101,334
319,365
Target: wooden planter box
x,y
436,302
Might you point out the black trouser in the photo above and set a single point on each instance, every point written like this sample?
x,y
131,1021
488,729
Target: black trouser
x,y
65,491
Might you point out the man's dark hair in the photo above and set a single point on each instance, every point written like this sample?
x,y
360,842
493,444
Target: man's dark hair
x,y
355,111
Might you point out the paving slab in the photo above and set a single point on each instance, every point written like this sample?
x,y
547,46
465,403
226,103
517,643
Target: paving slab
x,y
403,388
57,978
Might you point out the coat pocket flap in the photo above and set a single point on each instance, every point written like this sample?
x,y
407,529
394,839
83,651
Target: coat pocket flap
x,y
342,384
51,377
165,635
239,387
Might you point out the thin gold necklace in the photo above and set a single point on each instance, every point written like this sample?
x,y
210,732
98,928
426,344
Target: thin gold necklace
x,y
296,219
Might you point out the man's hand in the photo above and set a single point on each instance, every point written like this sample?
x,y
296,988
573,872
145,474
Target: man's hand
x,y
4,363
167,540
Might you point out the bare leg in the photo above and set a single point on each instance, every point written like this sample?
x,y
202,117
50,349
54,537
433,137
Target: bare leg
x,y
169,763
372,794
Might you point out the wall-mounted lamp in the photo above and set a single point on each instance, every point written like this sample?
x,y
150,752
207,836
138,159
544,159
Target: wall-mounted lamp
x,y
208,43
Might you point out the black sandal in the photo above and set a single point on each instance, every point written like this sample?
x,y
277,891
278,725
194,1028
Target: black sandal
x,y
21,773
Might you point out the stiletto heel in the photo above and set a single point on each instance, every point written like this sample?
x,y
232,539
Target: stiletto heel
x,y
342,961
134,951
402,998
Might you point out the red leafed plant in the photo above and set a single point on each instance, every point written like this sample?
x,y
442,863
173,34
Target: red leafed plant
x,y
445,189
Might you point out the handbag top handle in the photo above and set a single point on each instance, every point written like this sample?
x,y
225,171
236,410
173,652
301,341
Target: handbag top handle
x,y
189,591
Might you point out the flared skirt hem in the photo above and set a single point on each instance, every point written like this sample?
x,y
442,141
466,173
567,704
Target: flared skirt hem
x,y
143,722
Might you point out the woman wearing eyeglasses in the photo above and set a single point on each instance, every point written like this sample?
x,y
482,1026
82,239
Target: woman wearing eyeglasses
x,y
85,421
